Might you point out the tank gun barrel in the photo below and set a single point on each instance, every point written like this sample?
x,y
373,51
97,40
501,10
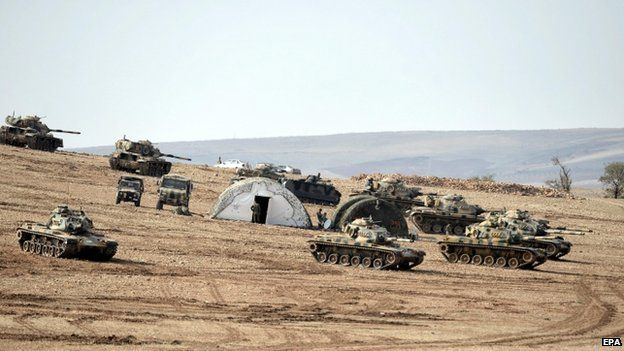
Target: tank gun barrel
x,y
567,231
64,131
178,157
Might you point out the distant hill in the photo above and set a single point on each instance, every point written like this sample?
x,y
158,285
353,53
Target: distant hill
x,y
517,156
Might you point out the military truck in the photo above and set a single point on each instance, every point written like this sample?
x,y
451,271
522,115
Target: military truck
x,y
364,243
314,190
129,189
140,157
29,131
174,190
450,213
69,233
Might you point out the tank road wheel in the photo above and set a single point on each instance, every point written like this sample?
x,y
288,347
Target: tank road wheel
x,y
377,263
443,248
551,249
345,260
426,227
528,256
501,262
513,263
31,247
52,251
355,261
25,246
459,230
44,250
477,260
390,258
437,228
58,251
313,247
452,257
417,219
488,261
367,262
38,248
321,257
333,258
464,258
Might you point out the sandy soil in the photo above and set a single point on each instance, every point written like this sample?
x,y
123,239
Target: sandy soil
x,y
193,283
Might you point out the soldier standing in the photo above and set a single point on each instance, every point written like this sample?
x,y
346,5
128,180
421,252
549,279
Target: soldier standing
x,y
369,184
319,217
255,212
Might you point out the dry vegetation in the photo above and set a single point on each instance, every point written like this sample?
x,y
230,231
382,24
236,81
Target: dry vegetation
x,y
193,283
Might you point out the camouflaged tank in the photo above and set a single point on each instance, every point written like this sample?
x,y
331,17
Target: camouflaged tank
x,y
498,248
29,131
394,191
68,234
262,171
537,227
450,213
364,243
140,157
314,190
554,246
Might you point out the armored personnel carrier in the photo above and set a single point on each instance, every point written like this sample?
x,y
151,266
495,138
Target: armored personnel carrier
x,y
29,131
174,190
69,233
440,213
129,189
491,248
364,243
314,190
524,222
555,247
140,157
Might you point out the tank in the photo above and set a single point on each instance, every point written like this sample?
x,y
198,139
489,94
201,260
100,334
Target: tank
x,y
450,213
68,234
394,191
29,131
503,249
536,227
554,246
314,190
263,171
364,243
140,157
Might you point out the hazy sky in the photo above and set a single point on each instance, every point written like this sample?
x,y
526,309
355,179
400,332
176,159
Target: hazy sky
x,y
194,70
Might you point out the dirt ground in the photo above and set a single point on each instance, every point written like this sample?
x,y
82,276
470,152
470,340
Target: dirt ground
x,y
188,283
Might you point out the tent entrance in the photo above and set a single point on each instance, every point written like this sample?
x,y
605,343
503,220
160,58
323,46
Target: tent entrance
x,y
263,201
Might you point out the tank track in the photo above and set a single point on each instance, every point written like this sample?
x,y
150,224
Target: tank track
x,y
367,257
553,251
490,255
442,224
152,169
41,244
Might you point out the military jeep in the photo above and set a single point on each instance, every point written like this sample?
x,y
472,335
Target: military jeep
x,y
129,189
174,190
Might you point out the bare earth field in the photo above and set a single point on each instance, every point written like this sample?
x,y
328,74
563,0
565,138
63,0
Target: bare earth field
x,y
189,283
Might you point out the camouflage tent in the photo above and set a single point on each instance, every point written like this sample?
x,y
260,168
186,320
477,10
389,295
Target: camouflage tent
x,y
278,205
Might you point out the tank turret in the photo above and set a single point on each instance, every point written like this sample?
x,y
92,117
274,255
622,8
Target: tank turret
x,y
365,243
140,157
68,233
